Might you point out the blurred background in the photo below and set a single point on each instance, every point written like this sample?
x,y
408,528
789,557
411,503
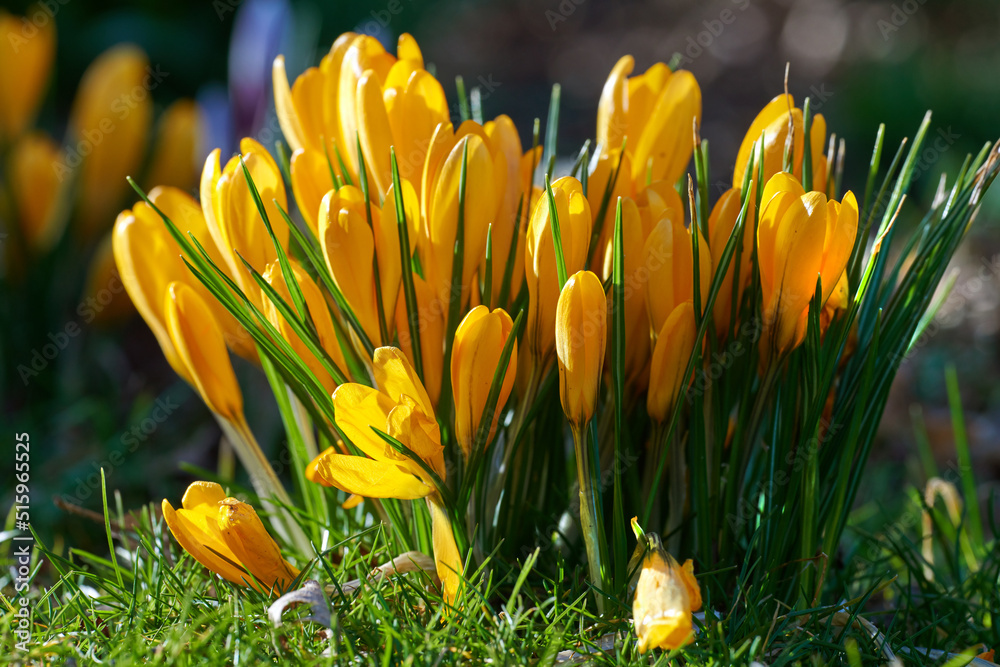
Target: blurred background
x,y
84,377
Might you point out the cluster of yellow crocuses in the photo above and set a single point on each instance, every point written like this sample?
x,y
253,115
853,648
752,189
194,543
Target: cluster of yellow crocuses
x,y
80,184
366,121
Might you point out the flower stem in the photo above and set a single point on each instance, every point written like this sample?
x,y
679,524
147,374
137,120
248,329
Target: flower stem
x,y
588,513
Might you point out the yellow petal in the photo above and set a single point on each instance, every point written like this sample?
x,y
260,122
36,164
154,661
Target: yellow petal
x,y
581,333
662,606
665,144
199,494
367,477
26,54
613,107
246,536
446,556
395,377
310,174
202,539
200,345
430,322
284,107
36,187
674,344
775,109
175,151
358,408
373,130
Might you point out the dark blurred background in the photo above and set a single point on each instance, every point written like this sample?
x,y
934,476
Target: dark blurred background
x,y
862,63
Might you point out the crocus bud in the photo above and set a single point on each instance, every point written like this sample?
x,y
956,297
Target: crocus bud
x,y
669,257
485,185
36,189
108,131
475,356
200,346
540,271
665,597
26,54
674,344
802,236
581,333
175,156
447,559
319,313
209,525
773,122
254,548
656,113
232,215
721,223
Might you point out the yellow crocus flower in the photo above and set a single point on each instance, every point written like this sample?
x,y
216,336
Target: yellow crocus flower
x,y
598,181
319,313
174,160
721,223
581,334
226,536
675,342
773,122
36,189
669,258
233,218
656,113
361,93
802,236
26,54
108,130
665,596
486,176
475,356
401,408
540,271
200,346
149,259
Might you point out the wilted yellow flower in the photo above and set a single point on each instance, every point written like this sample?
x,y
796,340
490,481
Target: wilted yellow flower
x,y
200,346
802,236
669,258
581,334
149,259
665,597
360,92
721,223
226,536
430,321
27,49
36,189
108,130
675,342
773,122
319,313
540,270
232,215
401,408
174,160
657,112
486,177
475,356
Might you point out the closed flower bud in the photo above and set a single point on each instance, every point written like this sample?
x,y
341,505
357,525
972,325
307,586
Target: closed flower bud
x,y
475,356
175,156
802,237
675,342
36,189
200,346
581,334
665,596
26,54
656,112
773,122
721,223
108,131
540,271
669,258
319,314
226,536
